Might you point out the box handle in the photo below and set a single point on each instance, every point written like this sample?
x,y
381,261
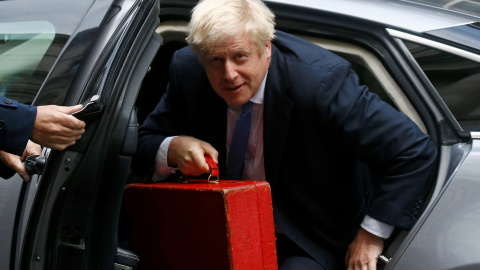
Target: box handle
x,y
214,172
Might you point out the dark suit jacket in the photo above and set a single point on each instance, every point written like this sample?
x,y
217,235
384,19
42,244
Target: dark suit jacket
x,y
333,151
16,124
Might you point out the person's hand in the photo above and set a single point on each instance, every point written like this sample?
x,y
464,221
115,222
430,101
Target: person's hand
x,y
188,154
14,162
363,252
55,128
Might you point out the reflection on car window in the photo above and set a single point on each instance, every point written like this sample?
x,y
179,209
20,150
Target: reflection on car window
x,y
457,81
26,56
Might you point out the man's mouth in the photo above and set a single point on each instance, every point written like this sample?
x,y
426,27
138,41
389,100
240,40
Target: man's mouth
x,y
232,88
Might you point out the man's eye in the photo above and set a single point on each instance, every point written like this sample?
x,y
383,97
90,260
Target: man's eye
x,y
240,55
216,59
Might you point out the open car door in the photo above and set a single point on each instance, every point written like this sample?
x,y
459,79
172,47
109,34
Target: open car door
x,y
67,218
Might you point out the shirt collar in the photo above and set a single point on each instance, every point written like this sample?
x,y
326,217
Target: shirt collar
x,y
260,95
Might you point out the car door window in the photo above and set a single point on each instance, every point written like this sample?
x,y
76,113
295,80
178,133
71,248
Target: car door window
x,y
27,52
456,80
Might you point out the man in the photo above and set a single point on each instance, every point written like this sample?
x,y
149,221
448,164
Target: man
x,y
50,126
345,167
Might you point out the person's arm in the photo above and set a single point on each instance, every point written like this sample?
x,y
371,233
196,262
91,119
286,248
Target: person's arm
x,y
188,154
368,244
14,162
363,252
377,227
164,168
16,125
169,118
50,126
401,157
55,128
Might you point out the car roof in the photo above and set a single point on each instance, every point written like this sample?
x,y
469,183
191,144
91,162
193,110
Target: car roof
x,y
407,15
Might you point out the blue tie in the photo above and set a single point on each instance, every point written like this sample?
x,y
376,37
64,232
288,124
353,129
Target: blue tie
x,y
238,146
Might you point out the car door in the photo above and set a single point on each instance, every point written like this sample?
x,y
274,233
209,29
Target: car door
x,y
68,217
32,36
447,61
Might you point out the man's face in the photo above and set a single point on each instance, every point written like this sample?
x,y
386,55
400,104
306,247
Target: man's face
x,y
235,68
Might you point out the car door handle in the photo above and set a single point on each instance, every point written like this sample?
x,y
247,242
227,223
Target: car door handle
x,y
383,258
34,164
91,108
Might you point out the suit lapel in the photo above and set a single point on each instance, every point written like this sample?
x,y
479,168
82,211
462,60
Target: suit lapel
x,y
277,115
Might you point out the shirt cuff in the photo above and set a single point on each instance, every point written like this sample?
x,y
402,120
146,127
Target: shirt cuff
x,y
162,171
376,227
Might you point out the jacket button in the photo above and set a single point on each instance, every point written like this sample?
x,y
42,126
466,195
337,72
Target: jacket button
x,y
7,101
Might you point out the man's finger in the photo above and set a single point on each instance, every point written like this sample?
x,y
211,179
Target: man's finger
x,y
69,109
69,120
347,258
73,122
196,165
61,146
211,152
31,149
372,264
16,164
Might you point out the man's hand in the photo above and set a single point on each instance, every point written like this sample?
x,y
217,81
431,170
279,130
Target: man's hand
x,y
188,154
363,252
14,162
55,128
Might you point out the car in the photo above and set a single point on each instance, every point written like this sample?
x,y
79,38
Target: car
x,y
422,57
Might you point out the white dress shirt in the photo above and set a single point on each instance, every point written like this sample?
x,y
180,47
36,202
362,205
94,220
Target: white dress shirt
x,y
254,163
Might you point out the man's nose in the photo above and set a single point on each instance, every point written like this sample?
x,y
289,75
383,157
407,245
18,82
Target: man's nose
x,y
230,71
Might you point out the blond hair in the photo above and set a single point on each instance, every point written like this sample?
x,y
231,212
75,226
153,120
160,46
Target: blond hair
x,y
215,21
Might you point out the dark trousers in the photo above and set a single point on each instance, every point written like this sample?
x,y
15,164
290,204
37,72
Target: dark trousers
x,y
292,257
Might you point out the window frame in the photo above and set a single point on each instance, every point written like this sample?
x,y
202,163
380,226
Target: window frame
x,y
401,36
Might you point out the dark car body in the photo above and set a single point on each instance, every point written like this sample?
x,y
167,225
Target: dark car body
x,y
423,60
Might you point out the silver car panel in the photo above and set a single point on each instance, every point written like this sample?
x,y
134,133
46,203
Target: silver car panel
x,y
391,13
448,236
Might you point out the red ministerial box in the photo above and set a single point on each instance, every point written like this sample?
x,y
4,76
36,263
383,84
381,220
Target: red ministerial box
x,y
201,225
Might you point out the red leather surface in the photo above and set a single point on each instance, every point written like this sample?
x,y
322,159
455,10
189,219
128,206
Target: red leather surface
x,y
202,226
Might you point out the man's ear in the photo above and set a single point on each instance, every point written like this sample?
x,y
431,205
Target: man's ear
x,y
268,49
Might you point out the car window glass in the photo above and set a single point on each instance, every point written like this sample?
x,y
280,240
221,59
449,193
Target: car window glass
x,y
467,36
26,56
456,80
